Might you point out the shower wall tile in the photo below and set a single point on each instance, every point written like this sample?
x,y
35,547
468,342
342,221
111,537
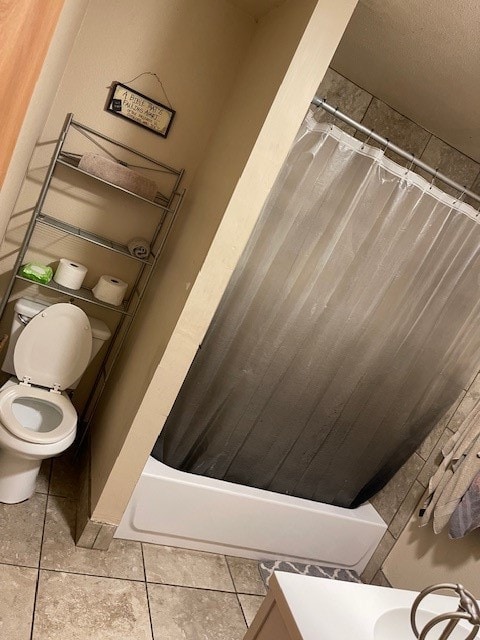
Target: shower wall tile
x,y
427,446
452,163
406,509
468,402
392,125
434,459
388,501
476,189
347,96
380,580
376,561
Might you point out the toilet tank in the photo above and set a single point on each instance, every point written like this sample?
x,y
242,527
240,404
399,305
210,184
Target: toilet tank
x,y
25,310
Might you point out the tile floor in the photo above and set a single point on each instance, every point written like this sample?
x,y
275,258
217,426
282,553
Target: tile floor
x,y
52,590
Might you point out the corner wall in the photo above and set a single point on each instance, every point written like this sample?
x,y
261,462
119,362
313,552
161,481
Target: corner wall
x,y
289,55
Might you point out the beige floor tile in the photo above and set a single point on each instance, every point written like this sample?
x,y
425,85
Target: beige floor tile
x,y
64,478
180,613
17,595
185,568
43,479
122,560
246,576
75,607
21,527
250,606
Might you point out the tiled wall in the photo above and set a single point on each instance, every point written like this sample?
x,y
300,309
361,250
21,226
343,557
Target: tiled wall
x,y
375,114
398,500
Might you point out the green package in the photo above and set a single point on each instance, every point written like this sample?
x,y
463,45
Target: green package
x,y
36,272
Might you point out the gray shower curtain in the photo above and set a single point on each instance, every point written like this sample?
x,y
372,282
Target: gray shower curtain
x,y
349,326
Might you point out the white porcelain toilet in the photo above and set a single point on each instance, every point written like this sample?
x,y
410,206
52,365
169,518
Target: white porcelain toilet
x,y
37,418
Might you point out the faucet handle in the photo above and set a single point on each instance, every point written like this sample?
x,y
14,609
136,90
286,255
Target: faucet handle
x,y
468,610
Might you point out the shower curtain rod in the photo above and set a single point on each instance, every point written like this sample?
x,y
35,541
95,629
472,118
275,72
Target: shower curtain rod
x,y
386,144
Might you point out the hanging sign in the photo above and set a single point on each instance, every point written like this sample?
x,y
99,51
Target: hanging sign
x,y
142,110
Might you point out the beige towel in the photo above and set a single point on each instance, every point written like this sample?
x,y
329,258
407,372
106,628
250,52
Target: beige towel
x,y
118,175
459,466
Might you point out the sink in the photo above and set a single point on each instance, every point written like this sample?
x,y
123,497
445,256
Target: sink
x,y
331,610
395,625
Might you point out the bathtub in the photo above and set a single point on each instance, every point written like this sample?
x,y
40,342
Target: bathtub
x,y
180,509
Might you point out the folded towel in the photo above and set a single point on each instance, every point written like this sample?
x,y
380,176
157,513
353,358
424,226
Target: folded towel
x,y
118,175
466,516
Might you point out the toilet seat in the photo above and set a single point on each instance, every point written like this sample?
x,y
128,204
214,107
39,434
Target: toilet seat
x,y
67,419
55,347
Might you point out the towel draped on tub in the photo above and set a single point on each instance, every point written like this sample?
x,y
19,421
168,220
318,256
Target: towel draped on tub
x,y
118,175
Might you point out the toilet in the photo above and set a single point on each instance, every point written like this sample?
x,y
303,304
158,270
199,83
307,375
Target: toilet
x,y
50,348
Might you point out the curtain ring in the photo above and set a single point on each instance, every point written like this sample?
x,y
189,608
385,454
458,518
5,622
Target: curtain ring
x,y
334,115
432,181
385,147
370,131
409,168
460,197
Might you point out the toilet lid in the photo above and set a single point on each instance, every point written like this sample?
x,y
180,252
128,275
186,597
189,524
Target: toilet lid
x,y
54,348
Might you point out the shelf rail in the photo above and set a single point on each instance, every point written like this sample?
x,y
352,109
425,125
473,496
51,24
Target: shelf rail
x,y
169,205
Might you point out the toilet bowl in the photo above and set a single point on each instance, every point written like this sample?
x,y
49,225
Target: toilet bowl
x,y
37,419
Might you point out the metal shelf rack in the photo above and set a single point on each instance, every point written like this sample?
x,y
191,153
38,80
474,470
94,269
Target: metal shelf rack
x,y
168,203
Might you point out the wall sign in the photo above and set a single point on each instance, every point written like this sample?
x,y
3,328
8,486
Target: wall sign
x,y
142,110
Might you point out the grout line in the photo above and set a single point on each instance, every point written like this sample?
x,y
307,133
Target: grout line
x,y
90,575
236,592
16,564
146,591
39,561
50,474
164,584
366,110
425,147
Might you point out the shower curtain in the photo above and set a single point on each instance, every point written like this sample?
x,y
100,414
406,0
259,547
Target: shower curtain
x,y
348,328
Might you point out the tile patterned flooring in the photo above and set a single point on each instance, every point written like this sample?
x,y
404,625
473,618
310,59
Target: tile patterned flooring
x,y
52,590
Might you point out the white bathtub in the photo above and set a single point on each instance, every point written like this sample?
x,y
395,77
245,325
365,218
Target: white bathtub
x,y
184,510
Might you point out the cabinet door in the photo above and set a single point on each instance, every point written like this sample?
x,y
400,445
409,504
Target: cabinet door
x,y
269,623
26,28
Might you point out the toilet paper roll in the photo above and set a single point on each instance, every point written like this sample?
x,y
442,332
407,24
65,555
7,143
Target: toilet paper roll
x,y
70,274
139,247
110,289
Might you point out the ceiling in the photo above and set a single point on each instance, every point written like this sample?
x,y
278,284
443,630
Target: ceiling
x,y
422,57
256,8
